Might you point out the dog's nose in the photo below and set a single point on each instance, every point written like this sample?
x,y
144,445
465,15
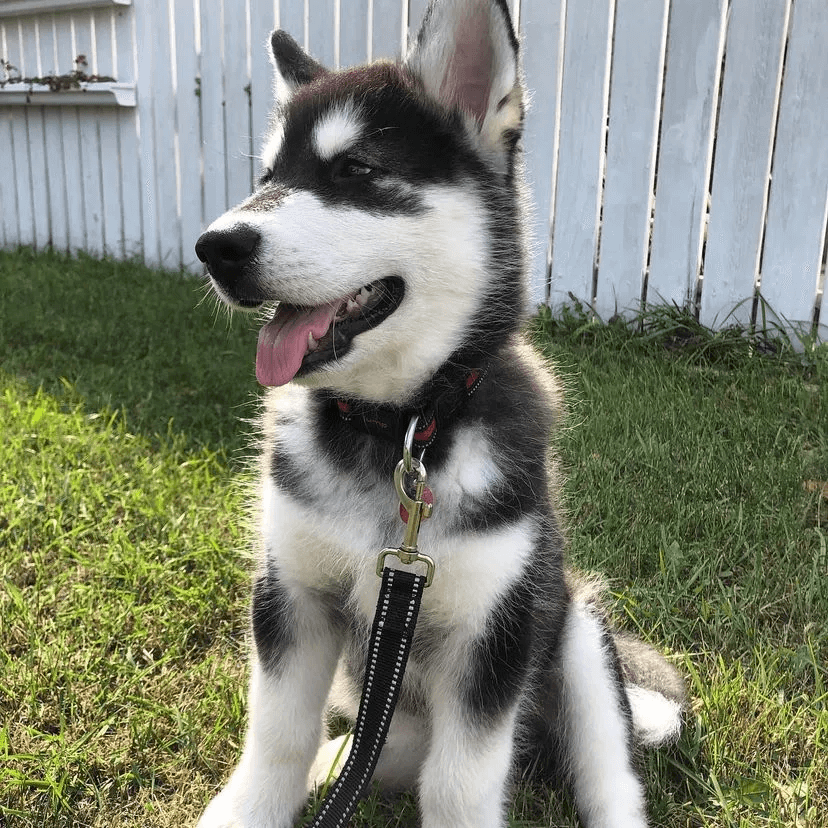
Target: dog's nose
x,y
226,252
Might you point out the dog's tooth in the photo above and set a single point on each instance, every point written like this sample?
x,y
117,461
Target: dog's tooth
x,y
353,306
312,343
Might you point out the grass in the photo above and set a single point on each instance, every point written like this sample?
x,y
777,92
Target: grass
x,y
696,480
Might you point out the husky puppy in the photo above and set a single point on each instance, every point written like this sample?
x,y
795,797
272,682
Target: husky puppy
x,y
387,229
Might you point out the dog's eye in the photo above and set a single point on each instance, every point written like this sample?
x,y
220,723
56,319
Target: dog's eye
x,y
350,169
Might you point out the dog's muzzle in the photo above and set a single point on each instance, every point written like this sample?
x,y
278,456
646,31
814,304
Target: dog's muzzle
x,y
229,255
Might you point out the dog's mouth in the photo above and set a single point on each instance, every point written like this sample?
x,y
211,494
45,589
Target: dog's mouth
x,y
298,340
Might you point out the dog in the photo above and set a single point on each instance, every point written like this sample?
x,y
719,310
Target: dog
x,y
388,229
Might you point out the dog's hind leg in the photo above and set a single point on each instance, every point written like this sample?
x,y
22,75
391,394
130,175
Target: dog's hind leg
x,y
296,653
403,753
596,725
399,762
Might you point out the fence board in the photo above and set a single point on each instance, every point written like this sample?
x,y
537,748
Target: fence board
x,y
82,23
187,130
112,197
322,31
22,176
262,22
542,24
635,104
105,59
5,45
212,117
90,153
70,139
52,142
48,47
580,156
752,74
239,161
104,56
795,235
128,146
55,178
89,143
29,34
162,107
24,50
694,50
12,233
9,230
354,32
387,37
74,179
292,20
36,137
148,16
65,52
15,38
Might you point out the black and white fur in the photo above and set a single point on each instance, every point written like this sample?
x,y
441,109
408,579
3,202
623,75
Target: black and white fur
x,y
413,171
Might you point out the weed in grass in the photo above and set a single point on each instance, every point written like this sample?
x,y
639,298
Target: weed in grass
x,y
695,464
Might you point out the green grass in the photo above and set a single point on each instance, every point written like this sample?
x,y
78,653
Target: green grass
x,y
126,338
695,470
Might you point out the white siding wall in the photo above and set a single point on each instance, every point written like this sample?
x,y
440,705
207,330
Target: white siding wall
x,y
676,149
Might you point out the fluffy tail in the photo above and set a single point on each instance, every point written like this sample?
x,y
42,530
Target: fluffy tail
x,y
655,690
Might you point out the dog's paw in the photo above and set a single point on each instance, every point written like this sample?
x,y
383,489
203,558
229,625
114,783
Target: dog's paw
x,y
222,813
233,809
329,761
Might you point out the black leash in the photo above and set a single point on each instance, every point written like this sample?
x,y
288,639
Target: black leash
x,y
391,635
393,629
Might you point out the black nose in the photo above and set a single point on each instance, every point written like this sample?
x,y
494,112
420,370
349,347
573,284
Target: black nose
x,y
228,252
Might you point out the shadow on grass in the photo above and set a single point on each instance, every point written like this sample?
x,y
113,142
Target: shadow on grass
x,y
119,335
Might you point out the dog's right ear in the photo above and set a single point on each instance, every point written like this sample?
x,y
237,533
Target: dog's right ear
x,y
293,66
467,58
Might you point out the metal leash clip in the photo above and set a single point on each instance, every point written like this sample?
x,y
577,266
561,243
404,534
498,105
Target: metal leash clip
x,y
418,508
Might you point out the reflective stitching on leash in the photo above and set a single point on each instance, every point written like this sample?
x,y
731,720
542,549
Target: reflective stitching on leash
x,y
369,691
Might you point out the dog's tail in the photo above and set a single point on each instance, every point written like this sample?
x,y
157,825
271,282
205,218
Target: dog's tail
x,y
655,690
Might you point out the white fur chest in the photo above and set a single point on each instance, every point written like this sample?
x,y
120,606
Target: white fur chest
x,y
330,542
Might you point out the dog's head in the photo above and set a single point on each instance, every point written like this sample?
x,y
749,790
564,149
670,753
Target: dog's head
x,y
386,220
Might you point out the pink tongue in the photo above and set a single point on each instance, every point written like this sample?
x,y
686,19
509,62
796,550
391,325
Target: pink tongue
x,y
283,342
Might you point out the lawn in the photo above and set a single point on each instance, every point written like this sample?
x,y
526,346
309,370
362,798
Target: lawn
x,y
697,481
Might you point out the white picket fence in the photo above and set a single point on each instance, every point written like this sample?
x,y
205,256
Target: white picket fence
x,y
677,149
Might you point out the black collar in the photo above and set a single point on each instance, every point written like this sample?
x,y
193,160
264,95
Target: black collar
x,y
437,406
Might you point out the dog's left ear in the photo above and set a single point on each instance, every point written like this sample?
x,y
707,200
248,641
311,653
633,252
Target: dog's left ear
x,y
293,66
467,57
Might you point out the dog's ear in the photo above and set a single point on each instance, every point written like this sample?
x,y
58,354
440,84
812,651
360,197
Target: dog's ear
x,y
293,66
467,56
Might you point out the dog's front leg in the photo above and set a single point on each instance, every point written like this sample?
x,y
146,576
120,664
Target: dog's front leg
x,y
291,673
465,776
